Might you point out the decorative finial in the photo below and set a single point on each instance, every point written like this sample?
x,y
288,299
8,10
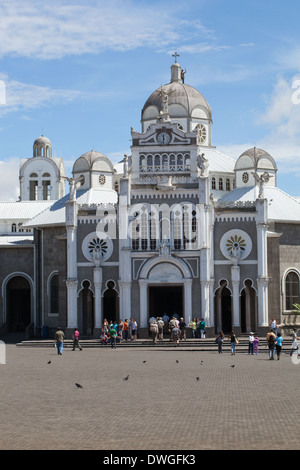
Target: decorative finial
x,y
175,55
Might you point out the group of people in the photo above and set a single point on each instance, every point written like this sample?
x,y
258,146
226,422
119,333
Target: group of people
x,y
160,326
174,327
274,343
113,332
60,337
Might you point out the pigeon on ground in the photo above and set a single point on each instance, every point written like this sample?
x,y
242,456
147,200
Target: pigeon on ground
x,y
177,361
232,365
144,362
49,362
78,385
198,378
201,363
126,378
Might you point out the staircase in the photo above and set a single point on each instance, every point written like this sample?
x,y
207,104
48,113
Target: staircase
x,y
207,344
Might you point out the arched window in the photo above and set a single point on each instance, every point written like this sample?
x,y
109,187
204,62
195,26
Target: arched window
x,y
53,294
220,184
213,183
14,227
292,291
227,184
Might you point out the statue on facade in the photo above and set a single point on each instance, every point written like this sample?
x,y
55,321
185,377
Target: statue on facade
x,y
165,248
74,183
203,164
260,181
97,257
236,254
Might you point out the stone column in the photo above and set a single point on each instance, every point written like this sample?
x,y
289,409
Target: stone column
x,y
262,266
125,276
143,303
188,299
98,299
71,282
235,279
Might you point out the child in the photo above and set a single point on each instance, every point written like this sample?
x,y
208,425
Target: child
x,y
278,344
255,345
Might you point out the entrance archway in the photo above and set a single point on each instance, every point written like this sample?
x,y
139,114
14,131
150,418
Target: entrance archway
x,y
111,303
86,307
166,299
223,308
248,308
18,303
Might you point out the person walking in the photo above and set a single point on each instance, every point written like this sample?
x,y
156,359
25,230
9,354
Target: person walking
x,y
295,346
112,337
233,341
219,341
251,343
59,340
255,345
176,335
278,345
202,328
271,343
132,329
76,343
193,326
125,329
274,326
182,327
154,331
160,324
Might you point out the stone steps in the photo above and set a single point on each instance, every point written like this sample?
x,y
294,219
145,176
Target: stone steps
x,y
207,344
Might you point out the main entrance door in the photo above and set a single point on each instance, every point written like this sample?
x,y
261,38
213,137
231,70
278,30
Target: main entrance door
x,y
18,306
165,299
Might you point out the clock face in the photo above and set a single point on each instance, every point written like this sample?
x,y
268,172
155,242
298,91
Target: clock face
x,y
163,138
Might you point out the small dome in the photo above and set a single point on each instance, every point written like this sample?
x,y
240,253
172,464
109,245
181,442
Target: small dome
x,y
88,159
92,162
42,147
255,158
42,140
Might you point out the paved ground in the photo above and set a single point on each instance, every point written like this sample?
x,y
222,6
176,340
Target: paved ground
x,y
160,407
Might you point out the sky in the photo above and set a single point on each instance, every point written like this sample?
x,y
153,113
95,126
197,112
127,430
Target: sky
x,y
80,71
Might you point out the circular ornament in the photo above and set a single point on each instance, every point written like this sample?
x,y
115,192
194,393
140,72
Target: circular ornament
x,y
236,243
97,242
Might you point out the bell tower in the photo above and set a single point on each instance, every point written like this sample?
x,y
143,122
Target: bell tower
x,y
41,177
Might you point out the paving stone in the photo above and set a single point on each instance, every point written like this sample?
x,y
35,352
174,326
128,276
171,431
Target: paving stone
x,y
160,407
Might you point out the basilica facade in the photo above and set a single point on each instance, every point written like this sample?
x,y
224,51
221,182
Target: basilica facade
x,y
177,227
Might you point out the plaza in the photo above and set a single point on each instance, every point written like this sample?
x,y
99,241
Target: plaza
x,y
162,405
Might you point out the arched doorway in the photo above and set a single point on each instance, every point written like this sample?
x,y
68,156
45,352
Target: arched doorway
x,y
223,308
111,303
248,308
18,303
86,307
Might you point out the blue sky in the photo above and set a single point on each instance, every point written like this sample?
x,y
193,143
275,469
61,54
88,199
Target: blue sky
x,y
80,72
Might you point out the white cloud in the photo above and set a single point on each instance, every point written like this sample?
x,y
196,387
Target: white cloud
x,y
53,30
26,96
9,179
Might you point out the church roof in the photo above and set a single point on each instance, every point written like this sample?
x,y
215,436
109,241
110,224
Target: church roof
x,y
16,240
56,214
281,206
218,161
22,210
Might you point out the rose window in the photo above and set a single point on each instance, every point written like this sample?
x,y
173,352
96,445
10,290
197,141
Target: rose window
x,y
98,245
235,242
